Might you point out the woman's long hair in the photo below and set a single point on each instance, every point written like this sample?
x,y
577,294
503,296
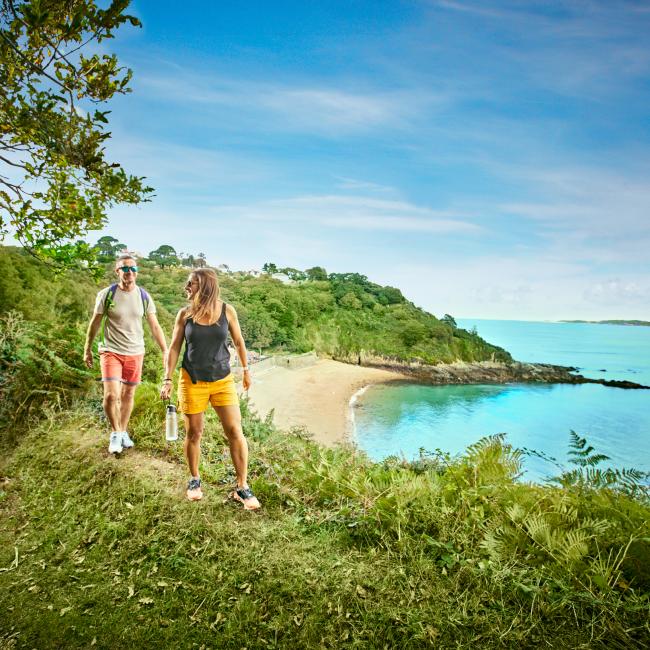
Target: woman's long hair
x,y
204,305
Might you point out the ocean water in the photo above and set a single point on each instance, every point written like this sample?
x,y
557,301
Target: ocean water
x,y
600,351
404,418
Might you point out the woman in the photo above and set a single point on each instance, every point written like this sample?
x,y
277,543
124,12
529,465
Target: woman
x,y
206,378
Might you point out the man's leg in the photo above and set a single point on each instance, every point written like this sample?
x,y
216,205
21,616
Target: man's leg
x,y
126,405
131,375
112,366
112,392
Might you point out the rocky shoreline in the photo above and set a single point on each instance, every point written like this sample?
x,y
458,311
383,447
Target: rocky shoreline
x,y
492,372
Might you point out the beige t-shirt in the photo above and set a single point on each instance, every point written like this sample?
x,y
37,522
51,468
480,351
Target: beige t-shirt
x,y
123,332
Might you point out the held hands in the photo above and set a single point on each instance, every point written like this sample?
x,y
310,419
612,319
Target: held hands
x,y
166,389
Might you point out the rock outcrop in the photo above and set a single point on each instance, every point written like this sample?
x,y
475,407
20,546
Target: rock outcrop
x,y
490,372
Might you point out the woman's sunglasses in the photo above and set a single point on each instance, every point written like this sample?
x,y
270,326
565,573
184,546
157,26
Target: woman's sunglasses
x,y
126,269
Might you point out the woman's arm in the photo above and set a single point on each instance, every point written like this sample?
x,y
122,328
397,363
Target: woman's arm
x,y
238,342
173,354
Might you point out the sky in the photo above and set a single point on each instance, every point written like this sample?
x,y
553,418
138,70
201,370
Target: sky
x,y
490,159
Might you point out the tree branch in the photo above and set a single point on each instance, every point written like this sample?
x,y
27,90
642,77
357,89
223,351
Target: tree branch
x,y
13,147
17,189
13,164
90,38
35,67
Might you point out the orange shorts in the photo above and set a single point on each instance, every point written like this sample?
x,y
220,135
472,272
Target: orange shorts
x,y
194,398
126,368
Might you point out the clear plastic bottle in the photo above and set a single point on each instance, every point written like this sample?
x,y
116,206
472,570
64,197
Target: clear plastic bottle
x,y
171,423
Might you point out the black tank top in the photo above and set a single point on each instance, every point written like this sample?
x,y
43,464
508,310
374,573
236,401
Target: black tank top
x,y
206,355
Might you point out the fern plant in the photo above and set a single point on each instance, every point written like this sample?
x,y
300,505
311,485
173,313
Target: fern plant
x,y
588,476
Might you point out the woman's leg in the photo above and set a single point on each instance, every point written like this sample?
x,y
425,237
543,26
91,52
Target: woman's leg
x,y
192,445
230,417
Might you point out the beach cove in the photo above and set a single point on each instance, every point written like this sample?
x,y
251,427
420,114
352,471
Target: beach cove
x,y
316,397
320,396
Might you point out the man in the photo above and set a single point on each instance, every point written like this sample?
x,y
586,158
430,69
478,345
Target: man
x,y
121,351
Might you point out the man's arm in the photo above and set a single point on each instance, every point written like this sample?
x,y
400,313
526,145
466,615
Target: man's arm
x,y
91,333
158,334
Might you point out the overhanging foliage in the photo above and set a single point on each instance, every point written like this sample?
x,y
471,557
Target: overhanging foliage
x,y
55,181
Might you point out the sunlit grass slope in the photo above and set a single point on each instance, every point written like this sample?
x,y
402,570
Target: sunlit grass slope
x,y
103,552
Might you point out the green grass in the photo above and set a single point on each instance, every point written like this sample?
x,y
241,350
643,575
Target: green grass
x,y
452,553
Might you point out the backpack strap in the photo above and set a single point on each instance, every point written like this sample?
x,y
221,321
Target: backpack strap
x,y
108,303
110,297
145,300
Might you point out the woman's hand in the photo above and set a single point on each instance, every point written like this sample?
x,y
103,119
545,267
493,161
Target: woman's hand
x,y
166,390
246,379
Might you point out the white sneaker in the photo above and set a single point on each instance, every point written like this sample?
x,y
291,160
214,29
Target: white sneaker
x,y
115,443
127,443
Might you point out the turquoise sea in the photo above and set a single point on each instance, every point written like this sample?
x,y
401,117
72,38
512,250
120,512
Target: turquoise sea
x,y
401,419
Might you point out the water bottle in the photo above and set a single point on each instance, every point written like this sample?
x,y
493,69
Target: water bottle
x,y
171,423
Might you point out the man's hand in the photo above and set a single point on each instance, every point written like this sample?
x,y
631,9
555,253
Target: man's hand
x,y
88,357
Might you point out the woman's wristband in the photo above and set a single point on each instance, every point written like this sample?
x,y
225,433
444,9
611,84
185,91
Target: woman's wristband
x,y
167,380
246,369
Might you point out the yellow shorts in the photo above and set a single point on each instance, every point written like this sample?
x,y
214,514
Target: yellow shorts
x,y
194,398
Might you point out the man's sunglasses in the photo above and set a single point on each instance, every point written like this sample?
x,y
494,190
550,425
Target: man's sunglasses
x,y
126,269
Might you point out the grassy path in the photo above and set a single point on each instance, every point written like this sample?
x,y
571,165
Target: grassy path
x,y
106,553
110,555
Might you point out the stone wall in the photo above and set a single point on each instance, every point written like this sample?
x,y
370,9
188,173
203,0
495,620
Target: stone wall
x,y
289,361
296,361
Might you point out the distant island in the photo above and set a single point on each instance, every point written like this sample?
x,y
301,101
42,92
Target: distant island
x,y
638,323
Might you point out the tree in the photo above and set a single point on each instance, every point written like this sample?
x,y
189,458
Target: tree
x,y
270,268
164,255
200,261
55,182
316,273
258,327
350,301
450,320
389,295
108,248
412,332
294,275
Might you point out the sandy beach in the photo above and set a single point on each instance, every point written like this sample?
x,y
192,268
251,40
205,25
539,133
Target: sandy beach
x,y
316,397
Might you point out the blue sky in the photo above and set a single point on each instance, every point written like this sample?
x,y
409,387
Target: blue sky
x,y
491,159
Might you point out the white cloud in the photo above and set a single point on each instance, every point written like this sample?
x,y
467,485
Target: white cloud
x,y
588,207
469,8
583,49
355,185
292,106
352,212
535,287
192,171
616,290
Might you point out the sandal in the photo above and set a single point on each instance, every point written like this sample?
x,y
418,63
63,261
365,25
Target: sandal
x,y
246,497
